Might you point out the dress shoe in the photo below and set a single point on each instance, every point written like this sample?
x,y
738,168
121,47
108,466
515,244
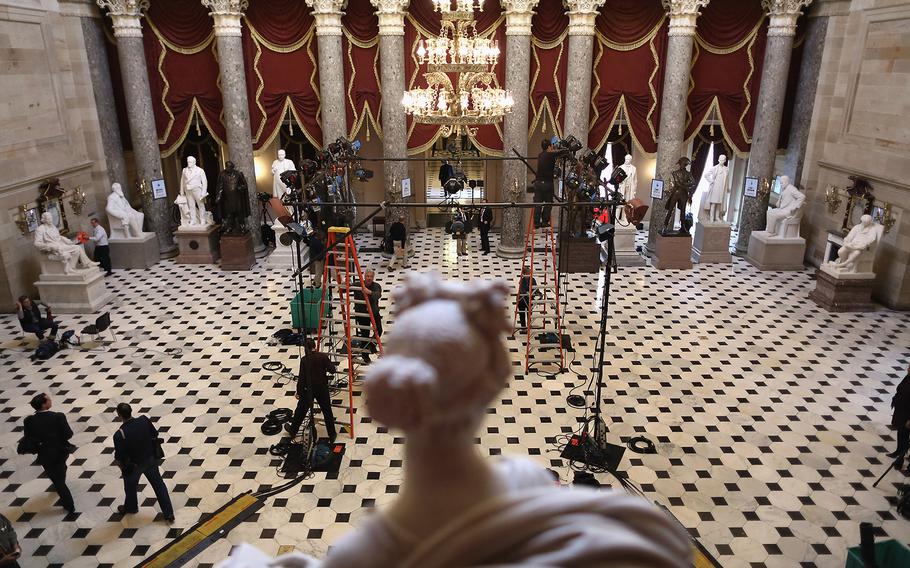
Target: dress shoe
x,y
169,520
123,510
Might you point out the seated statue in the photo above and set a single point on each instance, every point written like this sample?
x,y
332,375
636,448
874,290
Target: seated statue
x,y
49,241
858,251
445,362
126,222
789,209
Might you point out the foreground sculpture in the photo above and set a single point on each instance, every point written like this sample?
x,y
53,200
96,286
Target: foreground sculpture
x,y
126,222
445,362
629,186
49,241
193,191
857,254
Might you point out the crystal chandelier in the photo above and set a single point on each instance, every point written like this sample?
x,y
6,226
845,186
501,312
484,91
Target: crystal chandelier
x,y
460,90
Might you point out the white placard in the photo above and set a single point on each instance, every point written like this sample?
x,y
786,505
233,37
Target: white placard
x,y
158,189
406,188
657,189
751,189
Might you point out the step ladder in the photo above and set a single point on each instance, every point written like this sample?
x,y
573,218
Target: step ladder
x,y
543,313
339,334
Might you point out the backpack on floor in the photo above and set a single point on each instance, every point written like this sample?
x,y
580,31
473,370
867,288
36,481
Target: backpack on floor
x,y
46,349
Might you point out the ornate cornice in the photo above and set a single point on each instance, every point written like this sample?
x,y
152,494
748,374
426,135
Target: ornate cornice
x,y
518,16
125,15
782,15
328,16
582,14
683,14
391,16
227,14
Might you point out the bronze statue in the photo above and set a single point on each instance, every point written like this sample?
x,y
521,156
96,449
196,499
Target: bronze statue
x,y
233,199
682,187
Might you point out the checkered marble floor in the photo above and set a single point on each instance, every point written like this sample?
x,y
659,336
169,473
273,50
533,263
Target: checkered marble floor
x,y
769,414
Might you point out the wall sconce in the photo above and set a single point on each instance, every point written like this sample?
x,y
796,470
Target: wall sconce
x,y
21,221
888,220
77,200
143,187
764,190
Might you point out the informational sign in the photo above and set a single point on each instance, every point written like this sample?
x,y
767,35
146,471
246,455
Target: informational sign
x,y
158,189
657,189
751,187
406,188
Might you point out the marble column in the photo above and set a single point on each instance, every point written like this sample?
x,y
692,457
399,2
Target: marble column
x,y
582,14
769,110
226,14
670,147
126,16
515,124
331,68
391,75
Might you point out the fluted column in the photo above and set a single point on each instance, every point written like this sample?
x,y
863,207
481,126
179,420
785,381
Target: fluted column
x,y
126,16
227,14
331,67
582,14
391,63
683,14
769,111
515,124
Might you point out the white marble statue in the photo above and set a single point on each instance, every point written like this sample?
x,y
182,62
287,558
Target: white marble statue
x,y
49,241
788,212
857,254
193,189
629,186
716,197
126,222
279,166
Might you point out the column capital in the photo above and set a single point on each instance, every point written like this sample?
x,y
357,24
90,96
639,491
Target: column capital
x,y
518,16
125,15
783,15
391,16
582,14
328,16
683,14
226,14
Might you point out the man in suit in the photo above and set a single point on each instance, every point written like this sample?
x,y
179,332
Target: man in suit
x,y
51,433
134,451
313,382
484,222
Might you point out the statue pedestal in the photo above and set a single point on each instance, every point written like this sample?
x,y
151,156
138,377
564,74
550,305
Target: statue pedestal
x,y
774,253
198,244
843,292
282,256
134,253
81,292
624,246
711,243
237,252
673,252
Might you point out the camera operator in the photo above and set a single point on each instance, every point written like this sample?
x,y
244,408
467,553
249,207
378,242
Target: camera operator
x,y
398,234
362,316
543,185
313,382
900,420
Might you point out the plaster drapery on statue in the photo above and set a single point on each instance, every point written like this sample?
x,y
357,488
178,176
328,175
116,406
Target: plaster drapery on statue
x,y
549,67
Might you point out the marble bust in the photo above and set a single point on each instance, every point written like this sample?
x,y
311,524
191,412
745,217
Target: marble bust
x,y
126,222
857,254
629,186
282,164
193,191
788,213
716,197
49,241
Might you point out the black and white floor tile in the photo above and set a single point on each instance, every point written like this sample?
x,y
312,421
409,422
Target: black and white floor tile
x,y
769,414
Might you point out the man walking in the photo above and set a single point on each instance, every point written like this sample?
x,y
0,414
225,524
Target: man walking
x,y
484,222
102,249
50,434
30,318
313,381
135,452
398,234
373,292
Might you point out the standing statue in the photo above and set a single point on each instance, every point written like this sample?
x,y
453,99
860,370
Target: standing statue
x,y
857,254
715,200
49,241
682,187
788,210
629,186
233,199
126,222
193,190
279,166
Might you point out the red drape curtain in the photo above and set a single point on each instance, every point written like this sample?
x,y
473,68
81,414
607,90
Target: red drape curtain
x,y
280,60
360,49
549,66
183,70
628,70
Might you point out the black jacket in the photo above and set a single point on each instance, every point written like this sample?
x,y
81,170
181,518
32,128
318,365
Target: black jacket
x,y
901,403
134,442
398,232
485,218
52,433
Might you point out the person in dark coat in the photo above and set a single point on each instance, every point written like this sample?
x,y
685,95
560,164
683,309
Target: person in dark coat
x,y
313,382
233,198
543,184
398,234
135,452
373,292
10,551
484,222
900,419
50,433
30,318
525,286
